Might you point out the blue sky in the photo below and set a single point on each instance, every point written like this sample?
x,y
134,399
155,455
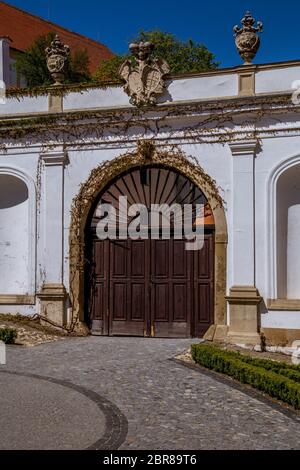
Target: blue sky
x,y
115,22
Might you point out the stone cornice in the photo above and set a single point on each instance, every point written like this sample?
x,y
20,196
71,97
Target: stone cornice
x,y
225,120
246,147
273,102
54,157
238,69
17,299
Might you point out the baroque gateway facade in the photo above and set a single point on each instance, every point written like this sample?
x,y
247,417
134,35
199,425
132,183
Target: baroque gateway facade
x,y
230,138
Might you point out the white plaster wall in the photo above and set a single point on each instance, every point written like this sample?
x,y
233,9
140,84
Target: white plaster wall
x,y
14,233
97,98
276,80
24,105
29,310
194,88
214,86
288,320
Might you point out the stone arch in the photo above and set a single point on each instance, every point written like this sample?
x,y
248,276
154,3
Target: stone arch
x,y
146,154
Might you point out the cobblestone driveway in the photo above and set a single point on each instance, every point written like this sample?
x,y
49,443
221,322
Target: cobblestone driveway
x,y
167,405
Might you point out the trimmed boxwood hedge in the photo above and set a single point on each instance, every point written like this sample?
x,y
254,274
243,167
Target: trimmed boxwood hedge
x,y
251,371
8,335
288,370
283,368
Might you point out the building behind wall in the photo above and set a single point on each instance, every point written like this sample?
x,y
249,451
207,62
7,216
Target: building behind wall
x,y
19,30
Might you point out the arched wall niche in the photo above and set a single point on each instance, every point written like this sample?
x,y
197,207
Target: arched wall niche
x,y
288,230
283,230
17,235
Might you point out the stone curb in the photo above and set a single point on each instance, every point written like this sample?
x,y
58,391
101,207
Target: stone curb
x,y
116,423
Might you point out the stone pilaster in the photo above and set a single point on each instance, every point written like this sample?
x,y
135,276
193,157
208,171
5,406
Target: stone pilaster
x,y
244,315
55,103
53,294
52,303
247,81
244,298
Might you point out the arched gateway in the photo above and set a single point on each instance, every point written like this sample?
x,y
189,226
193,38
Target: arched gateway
x,y
152,286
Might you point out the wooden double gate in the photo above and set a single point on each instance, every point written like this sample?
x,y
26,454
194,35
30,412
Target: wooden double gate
x,y
148,287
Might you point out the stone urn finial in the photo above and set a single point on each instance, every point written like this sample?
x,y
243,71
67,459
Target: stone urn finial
x,y
57,58
246,38
143,74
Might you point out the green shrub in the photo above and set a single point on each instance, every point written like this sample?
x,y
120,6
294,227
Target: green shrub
x,y
242,368
8,335
288,370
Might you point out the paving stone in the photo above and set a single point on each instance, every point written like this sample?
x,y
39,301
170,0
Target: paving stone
x,y
167,405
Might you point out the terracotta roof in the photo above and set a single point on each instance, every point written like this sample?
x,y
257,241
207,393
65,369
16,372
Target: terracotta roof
x,y
24,28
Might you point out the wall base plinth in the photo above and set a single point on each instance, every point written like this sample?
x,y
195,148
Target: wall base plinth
x,y
282,337
244,316
216,333
244,339
53,303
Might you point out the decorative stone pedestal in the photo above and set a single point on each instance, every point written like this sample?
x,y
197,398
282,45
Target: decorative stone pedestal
x,y
244,316
52,303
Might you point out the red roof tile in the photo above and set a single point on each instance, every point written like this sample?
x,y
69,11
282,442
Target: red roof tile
x,y
24,28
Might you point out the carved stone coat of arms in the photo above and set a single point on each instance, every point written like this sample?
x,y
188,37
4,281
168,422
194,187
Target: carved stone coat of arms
x,y
144,75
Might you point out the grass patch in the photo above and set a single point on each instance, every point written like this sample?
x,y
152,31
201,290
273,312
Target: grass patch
x,y
8,335
281,381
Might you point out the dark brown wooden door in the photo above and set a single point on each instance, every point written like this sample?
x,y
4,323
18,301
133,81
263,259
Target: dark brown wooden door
x,y
150,287
128,287
171,289
203,278
97,285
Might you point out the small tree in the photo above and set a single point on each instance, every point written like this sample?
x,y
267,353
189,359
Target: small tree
x,y
109,69
32,64
182,56
79,67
